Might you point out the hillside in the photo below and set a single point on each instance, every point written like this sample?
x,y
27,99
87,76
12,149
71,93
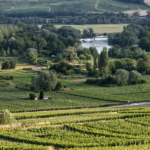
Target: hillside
x,y
67,5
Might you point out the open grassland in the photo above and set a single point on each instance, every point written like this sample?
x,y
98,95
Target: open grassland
x,y
142,12
99,28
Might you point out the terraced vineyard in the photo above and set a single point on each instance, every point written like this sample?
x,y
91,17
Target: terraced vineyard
x,y
79,129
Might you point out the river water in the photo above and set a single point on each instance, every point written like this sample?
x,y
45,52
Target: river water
x,y
99,44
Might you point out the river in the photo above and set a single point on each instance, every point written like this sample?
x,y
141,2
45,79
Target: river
x,y
98,43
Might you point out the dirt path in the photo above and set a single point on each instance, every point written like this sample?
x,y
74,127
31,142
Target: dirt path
x,y
10,9
96,4
49,9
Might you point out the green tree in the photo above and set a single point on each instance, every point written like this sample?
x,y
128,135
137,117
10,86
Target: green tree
x,y
8,51
134,76
121,77
89,66
70,53
41,95
46,81
6,65
32,59
3,53
6,118
103,61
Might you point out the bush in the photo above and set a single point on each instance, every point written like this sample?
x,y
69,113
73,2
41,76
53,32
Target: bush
x,y
69,72
6,118
121,77
11,77
58,86
27,69
141,81
65,86
134,76
32,96
92,73
41,95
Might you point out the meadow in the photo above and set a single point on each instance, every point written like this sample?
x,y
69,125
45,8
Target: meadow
x,y
99,28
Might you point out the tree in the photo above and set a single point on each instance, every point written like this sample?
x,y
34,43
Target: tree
x,y
32,96
58,86
89,66
41,94
134,76
6,65
70,53
6,118
13,63
94,52
121,77
103,61
46,81
8,51
32,59
3,53
144,44
31,51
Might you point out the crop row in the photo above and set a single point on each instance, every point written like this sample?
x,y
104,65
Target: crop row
x,y
120,127
64,138
138,97
140,120
135,147
5,145
46,114
78,118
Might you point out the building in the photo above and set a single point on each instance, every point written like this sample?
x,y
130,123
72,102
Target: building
x,y
45,97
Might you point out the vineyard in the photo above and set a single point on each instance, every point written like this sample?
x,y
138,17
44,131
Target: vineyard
x,y
74,119
91,129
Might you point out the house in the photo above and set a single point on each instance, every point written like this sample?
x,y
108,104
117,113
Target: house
x,y
36,98
45,97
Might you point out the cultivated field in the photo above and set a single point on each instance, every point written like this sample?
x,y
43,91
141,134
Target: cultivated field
x,y
99,28
80,123
142,12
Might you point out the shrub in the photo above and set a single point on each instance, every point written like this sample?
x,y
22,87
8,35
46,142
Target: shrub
x,y
41,94
141,81
6,118
121,77
58,86
92,73
134,76
32,96
69,72
27,69
65,86
11,77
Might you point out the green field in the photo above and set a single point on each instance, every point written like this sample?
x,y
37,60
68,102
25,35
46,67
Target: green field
x,y
71,119
99,28
76,5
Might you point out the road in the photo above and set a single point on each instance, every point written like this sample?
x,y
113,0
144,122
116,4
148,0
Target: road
x,y
10,9
96,4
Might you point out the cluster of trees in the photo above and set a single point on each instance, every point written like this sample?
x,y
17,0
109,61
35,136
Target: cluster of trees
x,y
130,35
105,18
126,52
9,64
19,39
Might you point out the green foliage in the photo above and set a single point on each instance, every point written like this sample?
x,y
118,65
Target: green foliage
x,y
41,94
32,96
121,77
89,66
58,86
9,64
134,76
6,118
46,81
32,59
103,61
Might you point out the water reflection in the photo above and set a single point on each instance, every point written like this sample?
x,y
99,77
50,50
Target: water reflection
x,y
98,44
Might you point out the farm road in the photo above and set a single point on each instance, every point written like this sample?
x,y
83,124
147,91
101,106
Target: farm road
x,y
96,4
10,9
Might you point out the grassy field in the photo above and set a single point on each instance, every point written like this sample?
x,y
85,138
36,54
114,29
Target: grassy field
x,y
142,12
76,5
99,28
